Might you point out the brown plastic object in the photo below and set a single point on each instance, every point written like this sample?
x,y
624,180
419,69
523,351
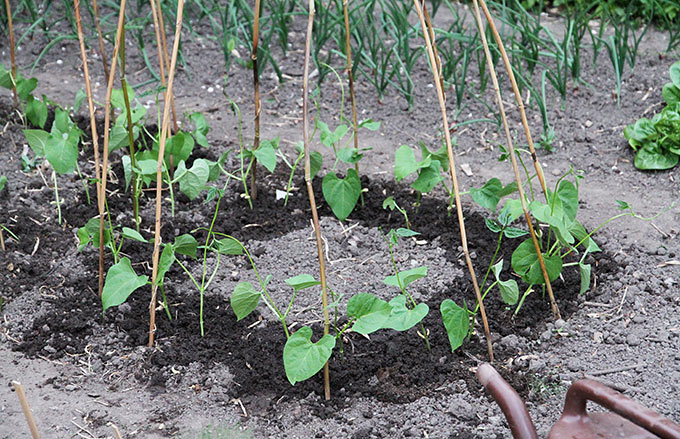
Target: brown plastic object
x,y
509,401
627,419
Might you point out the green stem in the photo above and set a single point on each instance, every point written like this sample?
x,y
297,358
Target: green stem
x,y
56,194
493,259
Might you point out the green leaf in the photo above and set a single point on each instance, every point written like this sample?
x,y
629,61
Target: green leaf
x,y
244,299
555,217
61,150
117,98
371,313
509,291
229,246
5,77
405,162
118,138
406,277
302,359
302,281
90,232
25,87
351,155
511,211
78,102
266,153
127,170
36,112
567,193
3,182
514,232
133,234
671,94
164,263
493,225
342,194
186,245
315,162
651,157
329,138
403,318
623,205
640,132
369,124
525,263
180,146
121,281
497,268
456,322
192,181
201,128
580,233
584,270
405,233
36,140
675,73
428,177
487,196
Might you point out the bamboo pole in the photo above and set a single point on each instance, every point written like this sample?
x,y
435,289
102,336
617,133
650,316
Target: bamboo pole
x,y
256,88
164,42
13,62
511,148
95,136
159,171
26,409
518,96
350,77
2,241
107,123
452,165
102,51
310,193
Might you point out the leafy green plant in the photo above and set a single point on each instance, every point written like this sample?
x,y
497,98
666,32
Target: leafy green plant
x,y
428,170
34,109
657,141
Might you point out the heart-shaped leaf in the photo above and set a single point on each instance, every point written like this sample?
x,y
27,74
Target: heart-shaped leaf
x,y
456,322
266,153
525,263
302,359
61,150
342,194
121,281
193,181
371,313
302,281
229,246
244,299
403,318
584,271
36,140
186,245
406,277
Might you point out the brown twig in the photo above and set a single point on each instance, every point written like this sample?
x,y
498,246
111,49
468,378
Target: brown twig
x,y
310,192
116,432
102,51
107,122
256,88
159,171
452,165
26,409
10,28
95,136
2,241
518,95
511,150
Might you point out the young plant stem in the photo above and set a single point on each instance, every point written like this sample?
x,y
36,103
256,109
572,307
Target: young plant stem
x,y
102,51
452,166
107,122
256,90
310,192
511,147
159,171
94,135
350,78
10,29
56,195
131,136
518,95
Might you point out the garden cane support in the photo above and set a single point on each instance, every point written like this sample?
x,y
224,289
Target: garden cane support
x,y
26,409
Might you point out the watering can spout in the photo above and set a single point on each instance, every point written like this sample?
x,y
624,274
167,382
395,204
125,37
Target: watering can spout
x,y
509,401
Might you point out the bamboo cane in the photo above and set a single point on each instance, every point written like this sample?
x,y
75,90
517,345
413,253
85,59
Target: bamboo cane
x,y
95,136
256,88
518,96
107,122
511,148
26,409
452,165
102,51
159,171
350,77
13,67
310,192
164,42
